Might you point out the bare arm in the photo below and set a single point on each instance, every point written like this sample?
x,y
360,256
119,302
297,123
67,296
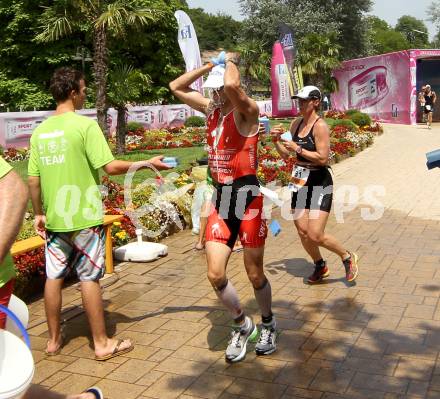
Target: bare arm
x,y
279,146
322,142
35,190
118,167
434,97
13,200
180,87
247,107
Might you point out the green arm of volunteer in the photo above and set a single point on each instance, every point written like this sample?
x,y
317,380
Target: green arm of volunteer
x,y
13,200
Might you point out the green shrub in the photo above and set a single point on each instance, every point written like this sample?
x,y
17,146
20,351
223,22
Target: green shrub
x,y
195,121
132,126
350,112
348,123
361,119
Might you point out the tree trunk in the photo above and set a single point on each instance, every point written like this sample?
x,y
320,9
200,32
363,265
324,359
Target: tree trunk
x,y
100,68
121,130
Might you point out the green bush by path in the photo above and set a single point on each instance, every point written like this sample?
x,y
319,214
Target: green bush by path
x,y
348,123
132,126
195,121
361,119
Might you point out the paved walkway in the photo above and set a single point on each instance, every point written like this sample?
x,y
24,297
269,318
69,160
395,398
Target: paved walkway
x,y
377,339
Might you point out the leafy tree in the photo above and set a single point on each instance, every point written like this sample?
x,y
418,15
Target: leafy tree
x,y
304,16
385,39
319,55
433,13
26,87
214,31
414,31
353,29
125,86
155,52
20,94
99,19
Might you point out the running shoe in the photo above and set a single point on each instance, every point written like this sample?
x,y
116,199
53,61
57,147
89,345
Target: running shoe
x,y
267,342
351,267
320,273
240,336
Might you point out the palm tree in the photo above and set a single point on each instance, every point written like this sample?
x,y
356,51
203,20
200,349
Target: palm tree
x,y
318,56
255,61
99,18
126,84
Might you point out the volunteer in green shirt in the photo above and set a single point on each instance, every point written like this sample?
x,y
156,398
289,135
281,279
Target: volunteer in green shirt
x,y
67,151
13,200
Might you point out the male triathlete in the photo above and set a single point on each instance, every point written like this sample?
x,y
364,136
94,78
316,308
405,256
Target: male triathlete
x,y
232,136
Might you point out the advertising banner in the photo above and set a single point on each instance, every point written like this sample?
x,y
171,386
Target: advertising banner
x,y
380,86
282,103
189,46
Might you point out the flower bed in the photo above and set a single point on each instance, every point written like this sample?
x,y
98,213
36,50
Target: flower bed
x,y
179,137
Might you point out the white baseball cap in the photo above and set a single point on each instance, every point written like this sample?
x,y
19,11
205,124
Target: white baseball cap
x,y
308,93
215,79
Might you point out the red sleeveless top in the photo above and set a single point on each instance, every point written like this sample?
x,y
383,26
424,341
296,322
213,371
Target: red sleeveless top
x,y
230,155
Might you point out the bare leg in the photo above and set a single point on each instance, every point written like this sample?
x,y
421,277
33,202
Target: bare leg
x,y
92,301
52,304
316,234
302,225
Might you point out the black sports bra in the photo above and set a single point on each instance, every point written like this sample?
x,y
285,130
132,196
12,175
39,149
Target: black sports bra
x,y
307,142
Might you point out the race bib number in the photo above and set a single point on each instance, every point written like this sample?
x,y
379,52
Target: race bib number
x,y
299,178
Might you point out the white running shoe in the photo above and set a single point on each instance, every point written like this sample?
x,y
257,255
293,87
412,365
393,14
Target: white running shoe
x,y
267,342
236,349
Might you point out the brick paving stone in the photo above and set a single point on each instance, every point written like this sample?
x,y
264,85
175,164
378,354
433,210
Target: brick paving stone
x,y
131,371
378,338
209,386
169,386
118,390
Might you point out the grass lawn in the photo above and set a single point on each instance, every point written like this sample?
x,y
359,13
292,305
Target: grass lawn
x,y
186,156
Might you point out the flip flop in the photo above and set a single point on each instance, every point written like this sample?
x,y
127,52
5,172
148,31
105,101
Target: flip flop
x,y
56,352
96,391
116,351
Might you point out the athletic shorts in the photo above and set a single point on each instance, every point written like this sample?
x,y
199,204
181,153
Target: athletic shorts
x,y
82,251
5,296
428,111
237,211
316,194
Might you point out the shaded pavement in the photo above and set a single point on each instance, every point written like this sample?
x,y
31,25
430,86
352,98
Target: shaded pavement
x,y
378,338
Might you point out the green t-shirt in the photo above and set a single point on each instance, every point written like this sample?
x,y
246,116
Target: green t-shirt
x,y
7,270
66,152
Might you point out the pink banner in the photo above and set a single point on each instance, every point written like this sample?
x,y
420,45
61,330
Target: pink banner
x,y
379,86
282,103
16,127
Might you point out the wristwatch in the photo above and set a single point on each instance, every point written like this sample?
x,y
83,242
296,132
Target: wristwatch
x,y
298,149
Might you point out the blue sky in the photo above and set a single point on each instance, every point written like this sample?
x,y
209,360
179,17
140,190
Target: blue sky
x,y
389,10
